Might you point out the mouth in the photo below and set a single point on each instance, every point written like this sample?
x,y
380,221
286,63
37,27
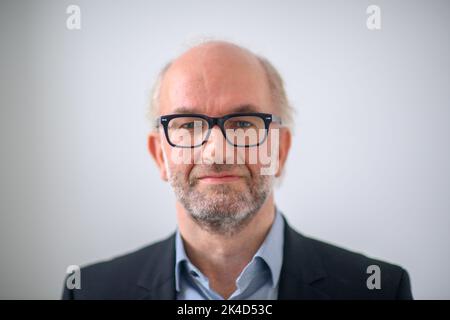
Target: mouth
x,y
214,179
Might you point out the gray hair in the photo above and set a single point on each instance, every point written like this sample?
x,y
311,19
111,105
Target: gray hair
x,y
276,86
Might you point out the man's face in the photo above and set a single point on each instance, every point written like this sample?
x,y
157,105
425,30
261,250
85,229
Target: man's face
x,y
221,196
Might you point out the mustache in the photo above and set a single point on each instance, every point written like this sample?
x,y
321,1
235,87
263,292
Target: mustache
x,y
202,170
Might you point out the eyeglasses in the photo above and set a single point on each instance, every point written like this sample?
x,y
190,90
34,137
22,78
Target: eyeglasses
x,y
239,129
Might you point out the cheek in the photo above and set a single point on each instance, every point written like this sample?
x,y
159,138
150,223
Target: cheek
x,y
254,159
180,170
174,164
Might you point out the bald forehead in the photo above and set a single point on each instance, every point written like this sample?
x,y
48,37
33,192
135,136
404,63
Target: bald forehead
x,y
217,54
215,72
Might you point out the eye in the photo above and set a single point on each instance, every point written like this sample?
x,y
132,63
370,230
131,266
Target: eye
x,y
242,124
188,125
192,125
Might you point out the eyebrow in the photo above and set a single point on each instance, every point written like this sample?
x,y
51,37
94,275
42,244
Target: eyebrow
x,y
237,109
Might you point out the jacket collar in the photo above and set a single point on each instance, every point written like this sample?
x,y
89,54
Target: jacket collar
x,y
301,269
158,275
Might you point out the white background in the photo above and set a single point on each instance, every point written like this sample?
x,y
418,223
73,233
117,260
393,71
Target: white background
x,y
369,168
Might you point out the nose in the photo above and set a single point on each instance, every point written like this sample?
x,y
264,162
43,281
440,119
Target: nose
x,y
215,149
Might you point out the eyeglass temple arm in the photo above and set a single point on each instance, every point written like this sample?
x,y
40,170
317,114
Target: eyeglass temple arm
x,y
157,122
276,119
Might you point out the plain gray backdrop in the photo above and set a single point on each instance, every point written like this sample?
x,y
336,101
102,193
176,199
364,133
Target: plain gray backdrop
x,y
369,168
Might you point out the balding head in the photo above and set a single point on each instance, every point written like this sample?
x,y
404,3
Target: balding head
x,y
216,75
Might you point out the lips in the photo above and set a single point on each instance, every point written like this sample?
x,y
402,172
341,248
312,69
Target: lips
x,y
219,178
218,175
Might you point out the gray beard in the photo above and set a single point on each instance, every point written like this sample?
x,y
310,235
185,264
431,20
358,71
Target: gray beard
x,y
221,209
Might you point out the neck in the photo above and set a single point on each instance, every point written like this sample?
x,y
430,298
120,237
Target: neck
x,y
222,258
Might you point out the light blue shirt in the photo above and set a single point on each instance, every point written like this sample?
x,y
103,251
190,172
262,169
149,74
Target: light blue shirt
x,y
258,281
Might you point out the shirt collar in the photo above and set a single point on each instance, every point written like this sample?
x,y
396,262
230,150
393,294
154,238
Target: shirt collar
x,y
270,251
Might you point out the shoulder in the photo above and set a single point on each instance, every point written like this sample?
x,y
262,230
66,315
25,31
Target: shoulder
x,y
118,277
131,262
348,274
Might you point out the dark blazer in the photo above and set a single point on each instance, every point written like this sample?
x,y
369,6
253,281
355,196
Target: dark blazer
x,y
311,270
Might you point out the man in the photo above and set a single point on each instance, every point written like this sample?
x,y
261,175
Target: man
x,y
215,108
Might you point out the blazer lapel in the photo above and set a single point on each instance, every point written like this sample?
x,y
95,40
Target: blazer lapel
x,y
301,268
157,279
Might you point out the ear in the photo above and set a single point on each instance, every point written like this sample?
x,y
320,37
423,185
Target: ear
x,y
156,151
283,151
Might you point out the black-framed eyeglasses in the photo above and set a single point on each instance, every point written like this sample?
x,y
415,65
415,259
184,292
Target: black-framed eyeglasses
x,y
239,129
